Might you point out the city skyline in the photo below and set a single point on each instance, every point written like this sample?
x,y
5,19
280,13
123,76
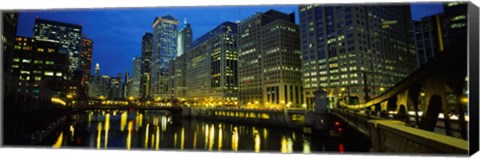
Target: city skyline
x,y
129,46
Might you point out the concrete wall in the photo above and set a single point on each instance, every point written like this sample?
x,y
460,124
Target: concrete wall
x,y
394,137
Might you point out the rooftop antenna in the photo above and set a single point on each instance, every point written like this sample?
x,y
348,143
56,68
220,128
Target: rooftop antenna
x,y
185,21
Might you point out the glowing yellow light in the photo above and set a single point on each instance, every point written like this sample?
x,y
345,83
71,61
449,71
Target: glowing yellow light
x,y
382,89
69,96
129,136
59,141
157,142
235,139
212,137
257,142
464,100
182,139
146,135
107,128
58,101
283,148
422,94
99,136
256,102
219,137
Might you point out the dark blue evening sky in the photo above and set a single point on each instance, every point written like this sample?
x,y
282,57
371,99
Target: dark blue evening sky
x,y
117,33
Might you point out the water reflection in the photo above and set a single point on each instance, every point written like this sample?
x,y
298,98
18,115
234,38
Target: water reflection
x,y
157,130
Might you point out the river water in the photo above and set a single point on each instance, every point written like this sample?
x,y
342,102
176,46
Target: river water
x,y
156,130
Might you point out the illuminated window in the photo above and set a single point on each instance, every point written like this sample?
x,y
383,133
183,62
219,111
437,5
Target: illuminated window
x,y
50,50
24,72
38,62
48,73
40,50
14,66
58,74
26,61
16,60
38,78
49,62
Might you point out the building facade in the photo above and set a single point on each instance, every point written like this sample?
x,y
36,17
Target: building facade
x,y
68,36
165,32
356,52
434,33
39,66
146,67
86,58
134,85
269,61
211,75
177,80
9,33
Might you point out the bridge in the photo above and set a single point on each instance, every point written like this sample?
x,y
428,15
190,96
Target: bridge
x,y
425,112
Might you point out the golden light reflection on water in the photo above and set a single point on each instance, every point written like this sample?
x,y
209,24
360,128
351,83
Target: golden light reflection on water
x,y
59,141
212,137
235,139
206,137
129,136
182,139
123,121
99,136
72,132
306,146
283,148
195,140
146,135
107,128
220,137
257,142
157,141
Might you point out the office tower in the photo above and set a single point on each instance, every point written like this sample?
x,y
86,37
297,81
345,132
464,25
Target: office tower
x,y
212,66
116,87
455,22
269,61
185,39
356,52
104,87
126,85
9,32
165,31
134,89
146,67
177,82
94,86
40,68
434,33
68,36
86,58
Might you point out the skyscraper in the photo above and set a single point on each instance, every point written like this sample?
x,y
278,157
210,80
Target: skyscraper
x,y
86,58
355,52
185,39
146,68
68,36
134,85
211,75
269,60
177,80
434,33
40,68
165,31
9,32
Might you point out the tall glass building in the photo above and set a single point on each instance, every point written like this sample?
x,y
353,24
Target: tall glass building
x,y
355,53
269,61
177,80
86,58
165,32
146,66
134,85
69,37
211,76
434,33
